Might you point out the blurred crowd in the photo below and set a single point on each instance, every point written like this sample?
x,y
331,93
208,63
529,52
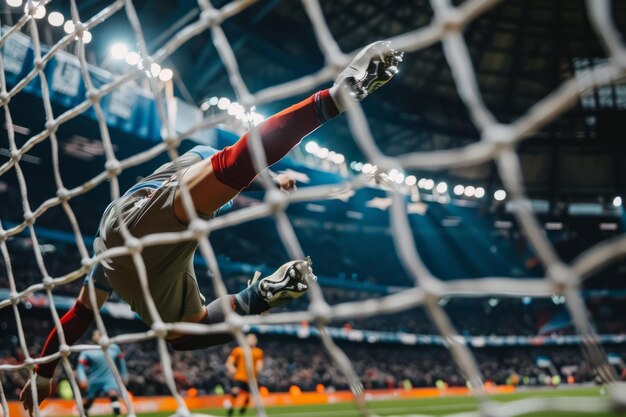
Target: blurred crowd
x,y
471,316
305,363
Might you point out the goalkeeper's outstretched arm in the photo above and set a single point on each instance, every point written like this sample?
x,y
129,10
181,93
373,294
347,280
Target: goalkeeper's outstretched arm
x,y
74,323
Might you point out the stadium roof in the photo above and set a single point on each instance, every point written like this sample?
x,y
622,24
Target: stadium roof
x,y
522,50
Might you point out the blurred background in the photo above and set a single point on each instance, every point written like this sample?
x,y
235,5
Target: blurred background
x,y
574,172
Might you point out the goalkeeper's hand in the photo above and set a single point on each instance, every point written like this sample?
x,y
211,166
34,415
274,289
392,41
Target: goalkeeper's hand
x,y
44,390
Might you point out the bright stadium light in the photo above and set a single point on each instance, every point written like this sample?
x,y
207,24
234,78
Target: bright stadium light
x,y
479,192
256,118
213,101
132,58
119,50
40,12
68,27
358,166
421,182
205,106
311,147
367,168
166,74
458,189
87,36
56,19
429,184
442,187
234,109
14,3
399,179
339,159
223,103
469,191
499,195
410,180
322,153
155,69
617,201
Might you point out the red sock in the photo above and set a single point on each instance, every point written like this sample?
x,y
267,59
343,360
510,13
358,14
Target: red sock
x,y
74,323
279,134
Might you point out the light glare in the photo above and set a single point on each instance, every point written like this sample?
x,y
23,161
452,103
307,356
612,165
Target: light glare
x,y
410,180
14,3
68,27
155,69
479,192
119,50
323,153
132,58
458,189
499,195
311,147
56,19
617,201
166,74
469,191
442,187
40,12
223,103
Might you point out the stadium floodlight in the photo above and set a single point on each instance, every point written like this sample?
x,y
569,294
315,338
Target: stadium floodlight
x,y
119,50
479,192
166,74
358,166
86,36
429,184
617,201
311,147
442,187
56,19
223,103
499,195
322,153
339,159
458,189
257,118
235,109
213,101
410,180
40,12
367,168
14,3
155,69
399,179
132,58
68,27
469,191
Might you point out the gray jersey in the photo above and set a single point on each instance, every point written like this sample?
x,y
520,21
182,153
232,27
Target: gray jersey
x,y
145,209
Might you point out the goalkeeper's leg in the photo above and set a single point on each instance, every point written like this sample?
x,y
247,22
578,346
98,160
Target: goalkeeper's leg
x,y
214,182
289,281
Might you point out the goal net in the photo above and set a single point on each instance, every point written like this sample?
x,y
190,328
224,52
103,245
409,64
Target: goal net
x,y
497,142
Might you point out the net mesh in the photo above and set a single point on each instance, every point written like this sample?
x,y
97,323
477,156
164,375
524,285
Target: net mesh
x,y
498,142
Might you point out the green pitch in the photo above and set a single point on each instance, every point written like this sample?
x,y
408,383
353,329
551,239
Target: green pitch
x,y
420,407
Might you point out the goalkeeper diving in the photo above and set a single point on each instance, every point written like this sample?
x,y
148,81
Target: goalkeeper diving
x,y
214,178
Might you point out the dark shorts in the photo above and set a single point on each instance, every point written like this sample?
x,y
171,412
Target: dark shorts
x,y
148,209
241,385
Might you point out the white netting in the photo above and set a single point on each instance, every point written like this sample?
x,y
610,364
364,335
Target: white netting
x,y
497,142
